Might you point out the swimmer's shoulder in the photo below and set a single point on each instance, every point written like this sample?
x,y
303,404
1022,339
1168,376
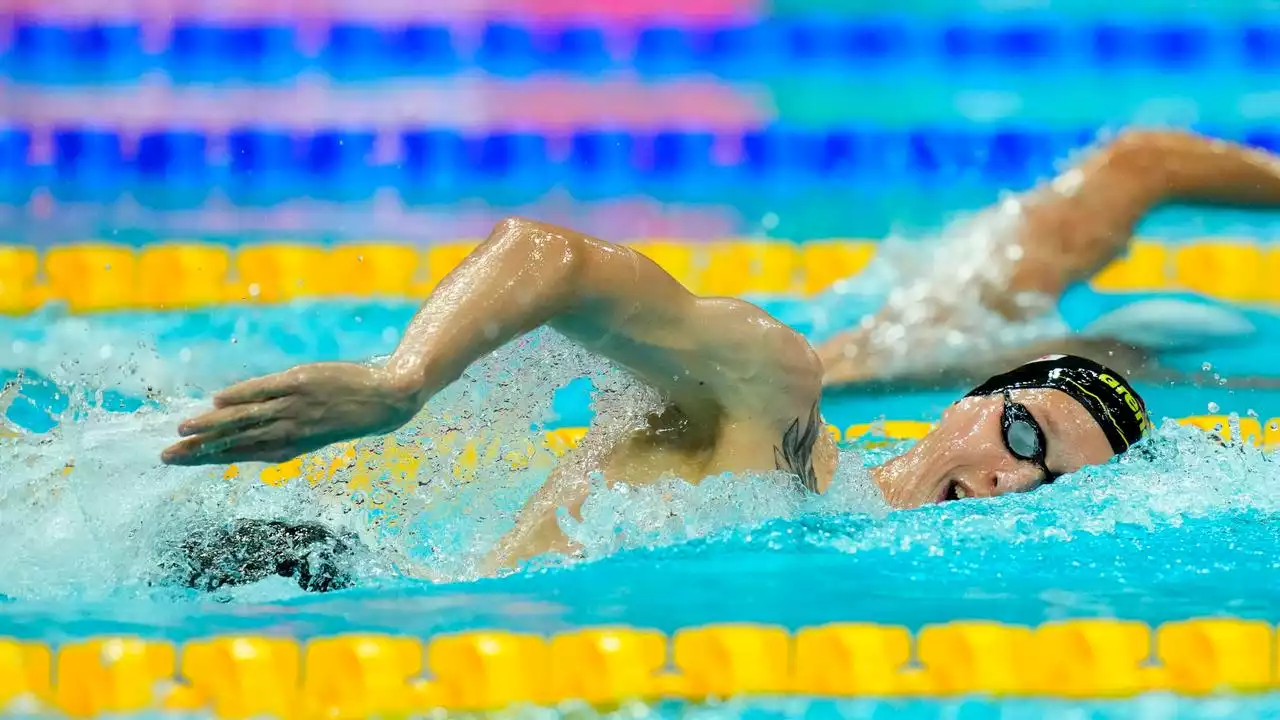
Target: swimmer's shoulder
x,y
763,361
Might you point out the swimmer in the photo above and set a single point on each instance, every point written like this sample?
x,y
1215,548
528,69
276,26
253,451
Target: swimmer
x,y
1040,243
741,390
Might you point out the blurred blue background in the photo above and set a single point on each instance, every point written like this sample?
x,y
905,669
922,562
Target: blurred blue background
x,y
798,119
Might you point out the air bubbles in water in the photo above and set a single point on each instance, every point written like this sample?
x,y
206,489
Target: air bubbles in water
x,y
1207,367
1213,407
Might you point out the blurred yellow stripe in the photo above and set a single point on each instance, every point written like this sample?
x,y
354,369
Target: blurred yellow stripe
x,y
381,675
98,276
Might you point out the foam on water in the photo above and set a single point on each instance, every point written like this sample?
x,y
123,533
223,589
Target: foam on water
x,y
930,293
94,514
101,527
90,514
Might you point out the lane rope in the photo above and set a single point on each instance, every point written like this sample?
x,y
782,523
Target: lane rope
x,y
358,675
100,276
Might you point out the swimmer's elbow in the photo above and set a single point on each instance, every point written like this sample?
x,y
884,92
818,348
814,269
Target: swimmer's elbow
x,y
1141,153
556,254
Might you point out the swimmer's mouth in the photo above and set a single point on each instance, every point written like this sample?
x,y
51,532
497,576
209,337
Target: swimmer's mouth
x,y
953,490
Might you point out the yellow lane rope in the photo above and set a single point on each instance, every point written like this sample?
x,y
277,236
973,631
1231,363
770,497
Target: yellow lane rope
x,y
100,276
360,675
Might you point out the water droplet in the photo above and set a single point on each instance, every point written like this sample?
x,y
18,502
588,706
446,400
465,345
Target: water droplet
x,y
1213,407
1206,367
1251,413
254,290
234,341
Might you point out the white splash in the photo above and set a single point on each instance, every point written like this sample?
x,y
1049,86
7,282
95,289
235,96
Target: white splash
x,y
931,296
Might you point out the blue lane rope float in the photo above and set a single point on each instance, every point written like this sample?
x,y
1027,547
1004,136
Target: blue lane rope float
x,y
202,51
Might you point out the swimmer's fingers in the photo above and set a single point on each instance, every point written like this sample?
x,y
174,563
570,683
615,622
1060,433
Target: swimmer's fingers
x,y
234,417
272,442
258,452
258,389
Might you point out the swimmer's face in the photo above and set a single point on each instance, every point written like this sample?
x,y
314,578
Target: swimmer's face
x,y
966,455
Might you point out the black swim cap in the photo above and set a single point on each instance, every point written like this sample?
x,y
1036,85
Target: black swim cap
x,y
1112,401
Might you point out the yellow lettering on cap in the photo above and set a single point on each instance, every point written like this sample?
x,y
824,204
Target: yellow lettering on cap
x,y
1129,399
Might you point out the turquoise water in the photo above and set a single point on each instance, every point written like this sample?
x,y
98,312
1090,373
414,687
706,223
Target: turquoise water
x,y
1185,531
1184,528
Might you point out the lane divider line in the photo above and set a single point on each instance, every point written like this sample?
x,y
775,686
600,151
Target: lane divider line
x,y
360,675
97,276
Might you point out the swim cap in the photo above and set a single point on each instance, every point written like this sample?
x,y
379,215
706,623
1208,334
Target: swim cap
x,y
1113,403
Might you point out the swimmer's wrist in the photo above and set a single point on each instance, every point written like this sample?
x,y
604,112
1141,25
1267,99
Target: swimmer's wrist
x,y
406,381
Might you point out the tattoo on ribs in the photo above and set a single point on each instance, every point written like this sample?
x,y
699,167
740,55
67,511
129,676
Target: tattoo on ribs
x,y
796,454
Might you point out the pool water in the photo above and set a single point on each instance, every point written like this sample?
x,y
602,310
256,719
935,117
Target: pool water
x,y
1185,528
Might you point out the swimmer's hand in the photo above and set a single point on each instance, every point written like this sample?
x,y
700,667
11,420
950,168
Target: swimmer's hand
x,y
279,417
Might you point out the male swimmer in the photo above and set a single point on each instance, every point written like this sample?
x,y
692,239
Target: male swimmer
x,y
1035,246
741,389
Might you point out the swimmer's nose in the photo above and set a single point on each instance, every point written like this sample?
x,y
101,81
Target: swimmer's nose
x,y
980,483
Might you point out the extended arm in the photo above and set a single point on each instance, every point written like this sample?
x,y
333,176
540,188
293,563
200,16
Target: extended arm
x,y
1085,217
697,351
1068,229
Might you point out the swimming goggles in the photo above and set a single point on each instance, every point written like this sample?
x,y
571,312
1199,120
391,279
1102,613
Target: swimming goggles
x,y
1024,437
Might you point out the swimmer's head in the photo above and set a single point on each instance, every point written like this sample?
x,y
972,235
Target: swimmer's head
x,y
1018,431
